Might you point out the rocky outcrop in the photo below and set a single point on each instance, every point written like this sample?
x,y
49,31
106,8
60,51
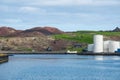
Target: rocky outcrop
x,y
117,29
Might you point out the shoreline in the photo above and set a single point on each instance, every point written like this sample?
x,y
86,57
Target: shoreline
x,y
98,54
10,53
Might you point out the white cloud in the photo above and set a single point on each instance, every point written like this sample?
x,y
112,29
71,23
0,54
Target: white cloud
x,y
74,2
30,9
12,20
53,2
62,2
106,2
77,12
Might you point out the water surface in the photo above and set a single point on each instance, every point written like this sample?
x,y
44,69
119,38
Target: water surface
x,y
60,67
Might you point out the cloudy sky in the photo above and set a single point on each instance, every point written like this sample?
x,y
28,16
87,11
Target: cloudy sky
x,y
67,15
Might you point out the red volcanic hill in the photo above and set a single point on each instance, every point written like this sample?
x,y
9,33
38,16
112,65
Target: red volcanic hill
x,y
4,31
45,30
37,31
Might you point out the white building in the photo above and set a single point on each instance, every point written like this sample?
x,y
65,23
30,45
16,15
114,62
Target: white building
x,y
100,45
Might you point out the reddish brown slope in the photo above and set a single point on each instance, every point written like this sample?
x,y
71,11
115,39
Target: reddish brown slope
x,y
37,31
53,30
5,31
45,30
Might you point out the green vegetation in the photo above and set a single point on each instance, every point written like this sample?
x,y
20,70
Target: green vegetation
x,y
75,49
84,37
24,49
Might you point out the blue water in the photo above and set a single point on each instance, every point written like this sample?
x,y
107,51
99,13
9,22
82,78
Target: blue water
x,y
60,67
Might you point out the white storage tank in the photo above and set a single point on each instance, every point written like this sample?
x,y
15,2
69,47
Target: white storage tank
x,y
90,47
119,43
106,46
98,43
113,46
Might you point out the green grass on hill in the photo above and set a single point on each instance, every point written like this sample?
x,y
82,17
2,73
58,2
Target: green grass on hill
x,y
84,36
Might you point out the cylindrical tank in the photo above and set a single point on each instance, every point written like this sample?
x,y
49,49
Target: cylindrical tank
x,y
90,47
119,43
113,46
98,44
106,46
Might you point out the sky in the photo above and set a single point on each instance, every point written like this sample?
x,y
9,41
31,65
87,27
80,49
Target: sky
x,y
67,15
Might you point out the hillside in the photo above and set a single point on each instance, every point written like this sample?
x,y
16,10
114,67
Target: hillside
x,y
49,38
36,31
5,31
86,37
42,31
34,39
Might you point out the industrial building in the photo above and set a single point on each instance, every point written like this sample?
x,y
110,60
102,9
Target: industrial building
x,y
101,46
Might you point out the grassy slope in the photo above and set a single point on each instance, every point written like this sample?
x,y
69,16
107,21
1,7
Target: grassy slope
x,y
79,36
84,36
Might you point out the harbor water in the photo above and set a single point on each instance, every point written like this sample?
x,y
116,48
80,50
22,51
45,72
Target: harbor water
x,y
60,67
